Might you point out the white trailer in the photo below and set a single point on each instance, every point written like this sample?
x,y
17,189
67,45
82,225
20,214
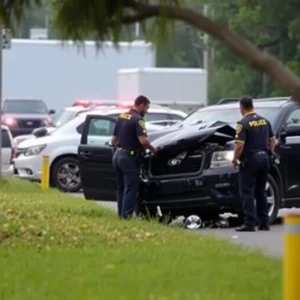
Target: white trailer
x,y
180,88
60,73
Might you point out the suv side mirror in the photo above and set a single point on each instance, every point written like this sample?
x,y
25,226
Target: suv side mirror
x,y
51,112
291,130
40,132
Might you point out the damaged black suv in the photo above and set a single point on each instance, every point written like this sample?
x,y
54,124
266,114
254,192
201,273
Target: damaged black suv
x,y
192,173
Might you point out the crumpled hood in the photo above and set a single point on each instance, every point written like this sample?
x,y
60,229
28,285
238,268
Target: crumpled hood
x,y
180,139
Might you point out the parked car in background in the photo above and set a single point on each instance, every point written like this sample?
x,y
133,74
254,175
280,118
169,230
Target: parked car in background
x,y
24,115
61,146
192,172
62,117
157,115
7,151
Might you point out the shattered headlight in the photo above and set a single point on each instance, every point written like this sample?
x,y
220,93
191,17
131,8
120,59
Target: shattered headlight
x,y
35,150
221,159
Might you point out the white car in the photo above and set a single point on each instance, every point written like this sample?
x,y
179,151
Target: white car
x,y
157,115
61,145
7,152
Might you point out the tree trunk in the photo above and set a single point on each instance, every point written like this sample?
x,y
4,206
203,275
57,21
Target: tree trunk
x,y
239,46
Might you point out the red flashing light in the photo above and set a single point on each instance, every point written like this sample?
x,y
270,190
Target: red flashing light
x,y
125,104
83,103
9,121
87,103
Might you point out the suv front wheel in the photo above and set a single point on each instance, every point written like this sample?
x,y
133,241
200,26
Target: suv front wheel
x,y
273,198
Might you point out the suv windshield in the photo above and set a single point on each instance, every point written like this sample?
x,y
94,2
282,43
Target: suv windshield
x,y
228,115
25,107
62,117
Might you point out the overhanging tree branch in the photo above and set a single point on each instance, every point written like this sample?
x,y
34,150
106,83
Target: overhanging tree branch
x,y
239,46
139,17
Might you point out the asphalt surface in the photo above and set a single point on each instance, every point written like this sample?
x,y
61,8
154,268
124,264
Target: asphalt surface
x,y
270,242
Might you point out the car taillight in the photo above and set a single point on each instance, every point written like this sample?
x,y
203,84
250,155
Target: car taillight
x,y
125,104
9,121
13,155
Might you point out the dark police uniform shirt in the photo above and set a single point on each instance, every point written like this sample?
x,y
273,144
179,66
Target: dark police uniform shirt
x,y
254,132
128,128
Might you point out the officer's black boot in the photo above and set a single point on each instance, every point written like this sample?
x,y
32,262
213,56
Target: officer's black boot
x,y
264,227
245,228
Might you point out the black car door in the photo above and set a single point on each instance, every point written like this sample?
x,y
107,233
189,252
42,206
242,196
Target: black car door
x,y
289,150
95,159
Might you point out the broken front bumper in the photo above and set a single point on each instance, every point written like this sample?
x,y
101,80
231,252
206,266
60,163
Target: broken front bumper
x,y
214,189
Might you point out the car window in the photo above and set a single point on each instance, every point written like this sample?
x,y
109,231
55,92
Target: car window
x,y
6,142
99,131
156,117
69,127
62,117
294,118
176,117
101,127
162,123
25,107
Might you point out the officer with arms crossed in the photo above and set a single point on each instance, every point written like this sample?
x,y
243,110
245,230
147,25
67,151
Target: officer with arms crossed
x,y
130,141
254,138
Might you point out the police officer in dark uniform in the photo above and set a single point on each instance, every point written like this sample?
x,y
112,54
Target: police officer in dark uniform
x,y
254,140
130,141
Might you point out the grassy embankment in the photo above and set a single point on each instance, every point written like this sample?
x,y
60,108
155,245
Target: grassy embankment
x,y
55,246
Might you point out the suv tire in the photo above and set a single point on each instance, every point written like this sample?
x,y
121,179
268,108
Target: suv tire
x,y
66,185
273,188
273,191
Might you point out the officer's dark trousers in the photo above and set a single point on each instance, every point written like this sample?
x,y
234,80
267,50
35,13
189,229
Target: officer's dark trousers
x,y
128,180
253,178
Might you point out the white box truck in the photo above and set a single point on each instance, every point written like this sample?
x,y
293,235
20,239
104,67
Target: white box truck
x,y
178,88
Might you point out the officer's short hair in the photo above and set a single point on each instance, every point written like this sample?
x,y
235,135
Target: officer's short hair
x,y
246,102
141,100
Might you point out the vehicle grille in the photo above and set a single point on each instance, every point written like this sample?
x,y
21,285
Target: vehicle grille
x,y
29,123
162,167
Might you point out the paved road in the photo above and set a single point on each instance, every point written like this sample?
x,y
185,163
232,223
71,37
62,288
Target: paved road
x,y
270,242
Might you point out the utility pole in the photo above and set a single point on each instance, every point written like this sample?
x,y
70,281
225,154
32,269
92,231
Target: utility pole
x,y
205,40
5,43
1,80
137,31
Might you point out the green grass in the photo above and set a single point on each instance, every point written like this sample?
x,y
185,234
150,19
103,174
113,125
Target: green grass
x,y
54,246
